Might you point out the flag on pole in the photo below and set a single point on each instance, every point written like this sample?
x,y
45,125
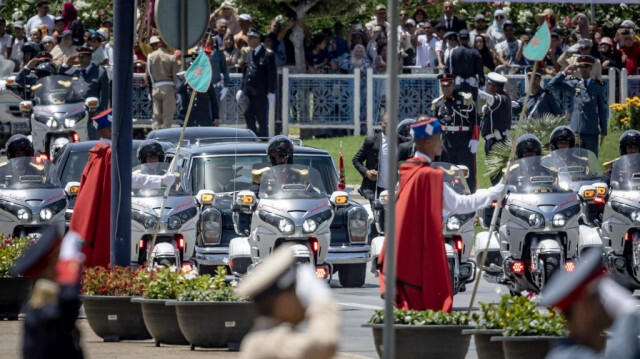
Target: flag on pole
x,y
341,180
199,74
537,48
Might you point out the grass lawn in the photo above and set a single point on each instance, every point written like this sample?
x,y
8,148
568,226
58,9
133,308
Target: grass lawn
x,y
351,144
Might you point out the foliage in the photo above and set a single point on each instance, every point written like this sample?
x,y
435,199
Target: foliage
x,y
113,280
541,127
426,317
493,316
523,319
163,283
204,288
625,116
90,12
10,250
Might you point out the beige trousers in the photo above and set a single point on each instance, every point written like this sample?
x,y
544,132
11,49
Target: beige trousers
x,y
164,106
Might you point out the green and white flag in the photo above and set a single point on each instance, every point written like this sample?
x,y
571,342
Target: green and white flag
x,y
199,74
537,48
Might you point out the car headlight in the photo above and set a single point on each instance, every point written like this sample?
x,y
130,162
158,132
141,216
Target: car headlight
x,y
358,219
211,226
71,121
453,223
177,220
22,213
534,219
284,225
145,219
559,220
312,223
48,212
633,213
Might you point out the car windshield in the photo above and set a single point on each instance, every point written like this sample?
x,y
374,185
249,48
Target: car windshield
x,y
578,165
27,173
233,173
291,182
528,175
453,176
73,165
625,173
179,188
58,90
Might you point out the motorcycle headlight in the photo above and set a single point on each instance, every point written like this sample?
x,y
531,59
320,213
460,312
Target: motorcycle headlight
x,y
211,226
45,214
453,223
177,220
312,223
51,123
559,220
71,121
309,226
630,212
284,225
358,220
22,213
534,219
145,219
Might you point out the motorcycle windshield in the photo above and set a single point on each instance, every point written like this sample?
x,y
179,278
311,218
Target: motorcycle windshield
x,y
529,175
291,182
57,90
574,164
453,176
27,173
179,188
625,173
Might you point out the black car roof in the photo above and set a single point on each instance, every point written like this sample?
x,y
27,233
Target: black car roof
x,y
193,133
244,148
87,145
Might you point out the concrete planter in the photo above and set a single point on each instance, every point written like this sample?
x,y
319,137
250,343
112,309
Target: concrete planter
x,y
485,348
115,318
161,321
525,347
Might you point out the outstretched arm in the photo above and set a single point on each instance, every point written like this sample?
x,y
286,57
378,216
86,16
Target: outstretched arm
x,y
458,203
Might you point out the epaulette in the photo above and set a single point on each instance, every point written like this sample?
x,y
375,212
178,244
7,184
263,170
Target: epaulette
x,y
449,172
256,175
467,98
3,164
608,166
513,167
573,78
301,171
138,171
44,292
435,101
37,166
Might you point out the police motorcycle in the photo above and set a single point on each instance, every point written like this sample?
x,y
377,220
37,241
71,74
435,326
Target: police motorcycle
x,y
457,229
580,167
291,207
30,197
176,238
537,231
621,222
58,114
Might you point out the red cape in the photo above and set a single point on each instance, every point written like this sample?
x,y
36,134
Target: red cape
x,y
92,212
422,272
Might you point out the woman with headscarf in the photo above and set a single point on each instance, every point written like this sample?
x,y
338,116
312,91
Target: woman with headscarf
x,y
227,11
480,44
496,31
582,26
71,22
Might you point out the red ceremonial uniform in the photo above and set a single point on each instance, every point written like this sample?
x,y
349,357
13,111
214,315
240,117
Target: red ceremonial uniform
x,y
423,280
92,211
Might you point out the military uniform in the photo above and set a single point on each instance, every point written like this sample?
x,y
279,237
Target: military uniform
x,y
205,104
26,77
589,110
162,69
541,103
459,121
465,64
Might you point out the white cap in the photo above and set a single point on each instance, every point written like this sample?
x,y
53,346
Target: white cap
x,y
496,78
245,17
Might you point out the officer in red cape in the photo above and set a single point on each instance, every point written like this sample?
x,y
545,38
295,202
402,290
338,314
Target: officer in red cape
x,y
91,218
423,280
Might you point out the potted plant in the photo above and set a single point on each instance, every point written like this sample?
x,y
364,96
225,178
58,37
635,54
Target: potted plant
x,y
106,295
529,332
424,334
14,291
161,285
490,322
210,314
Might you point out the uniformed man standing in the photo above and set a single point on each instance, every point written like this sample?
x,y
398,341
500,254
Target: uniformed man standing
x,y
465,64
592,302
162,74
286,295
205,104
496,114
541,101
589,111
258,84
458,118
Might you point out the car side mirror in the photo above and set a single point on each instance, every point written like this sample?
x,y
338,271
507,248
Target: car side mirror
x,y
71,189
92,103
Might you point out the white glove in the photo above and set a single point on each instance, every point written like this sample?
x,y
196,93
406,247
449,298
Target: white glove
x,y
238,95
473,146
496,191
168,179
149,96
488,98
178,100
271,97
308,286
223,93
615,299
71,246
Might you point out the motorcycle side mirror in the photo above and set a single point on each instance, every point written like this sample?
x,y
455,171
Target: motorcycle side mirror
x,y
464,169
26,107
245,201
92,103
72,188
205,197
11,81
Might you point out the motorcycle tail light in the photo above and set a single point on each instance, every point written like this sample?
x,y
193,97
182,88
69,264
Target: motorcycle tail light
x,y
141,244
627,236
494,204
569,266
180,241
315,246
322,272
459,244
75,137
598,200
517,267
